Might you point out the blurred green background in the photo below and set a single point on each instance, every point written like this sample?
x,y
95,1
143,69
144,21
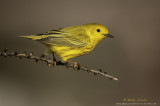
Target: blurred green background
x,y
133,56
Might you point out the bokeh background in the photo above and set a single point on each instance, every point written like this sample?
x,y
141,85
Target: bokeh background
x,y
133,56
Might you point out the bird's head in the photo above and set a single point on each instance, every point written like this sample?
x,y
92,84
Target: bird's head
x,y
98,31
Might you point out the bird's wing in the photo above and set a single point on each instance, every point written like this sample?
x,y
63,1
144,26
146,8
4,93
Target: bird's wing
x,y
75,37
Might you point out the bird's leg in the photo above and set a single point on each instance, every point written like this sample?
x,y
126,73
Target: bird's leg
x,y
54,58
76,65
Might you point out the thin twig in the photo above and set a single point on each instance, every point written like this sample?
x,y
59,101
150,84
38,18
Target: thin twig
x,y
50,62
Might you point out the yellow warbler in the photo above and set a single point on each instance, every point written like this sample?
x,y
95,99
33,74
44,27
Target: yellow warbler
x,y
72,41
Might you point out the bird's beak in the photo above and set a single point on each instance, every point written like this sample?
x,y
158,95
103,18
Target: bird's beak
x,y
109,35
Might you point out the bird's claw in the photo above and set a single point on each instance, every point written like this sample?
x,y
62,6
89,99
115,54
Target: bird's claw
x,y
54,63
76,66
43,55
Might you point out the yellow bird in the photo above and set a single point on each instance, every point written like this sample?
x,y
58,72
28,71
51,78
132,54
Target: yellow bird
x,y
72,41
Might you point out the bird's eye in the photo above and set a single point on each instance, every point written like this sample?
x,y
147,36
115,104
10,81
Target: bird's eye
x,y
98,30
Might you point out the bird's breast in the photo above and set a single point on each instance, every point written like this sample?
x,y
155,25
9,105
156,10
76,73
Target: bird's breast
x,y
69,52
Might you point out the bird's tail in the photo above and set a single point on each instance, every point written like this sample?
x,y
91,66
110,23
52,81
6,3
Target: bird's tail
x,y
32,37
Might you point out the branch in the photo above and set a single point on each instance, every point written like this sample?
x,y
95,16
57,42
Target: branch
x,y
50,62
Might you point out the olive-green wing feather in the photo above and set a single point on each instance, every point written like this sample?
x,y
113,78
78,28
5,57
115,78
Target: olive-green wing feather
x,y
74,37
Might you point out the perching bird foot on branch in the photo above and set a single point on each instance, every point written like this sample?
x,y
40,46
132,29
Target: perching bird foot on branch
x,y
68,43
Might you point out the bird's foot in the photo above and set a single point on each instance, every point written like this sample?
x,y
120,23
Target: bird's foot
x,y
43,55
76,65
